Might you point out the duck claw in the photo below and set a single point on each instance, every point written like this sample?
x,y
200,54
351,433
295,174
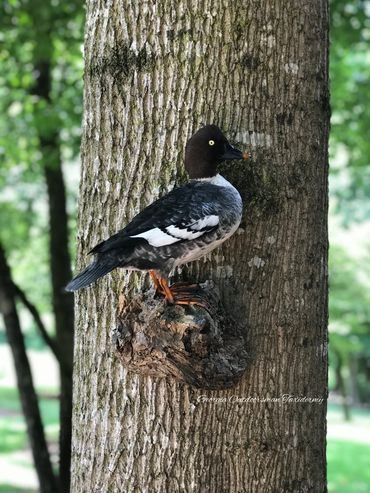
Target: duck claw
x,y
184,286
190,298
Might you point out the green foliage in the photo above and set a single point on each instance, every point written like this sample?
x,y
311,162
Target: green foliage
x,y
35,33
350,82
349,314
38,33
349,303
349,311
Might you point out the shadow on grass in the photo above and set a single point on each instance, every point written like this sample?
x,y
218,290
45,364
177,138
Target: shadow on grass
x,y
348,467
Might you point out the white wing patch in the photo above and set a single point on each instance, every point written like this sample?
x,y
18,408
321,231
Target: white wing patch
x,y
172,234
206,223
156,237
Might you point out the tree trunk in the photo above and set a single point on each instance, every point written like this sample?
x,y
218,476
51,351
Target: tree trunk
x,y
60,266
341,386
353,380
26,389
154,73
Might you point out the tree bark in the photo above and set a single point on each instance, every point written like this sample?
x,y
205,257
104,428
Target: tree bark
x,y
155,71
27,394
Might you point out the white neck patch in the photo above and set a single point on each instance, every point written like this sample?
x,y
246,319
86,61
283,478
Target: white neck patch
x,y
216,180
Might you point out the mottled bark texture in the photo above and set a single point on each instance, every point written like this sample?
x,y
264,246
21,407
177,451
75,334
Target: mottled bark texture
x,y
155,71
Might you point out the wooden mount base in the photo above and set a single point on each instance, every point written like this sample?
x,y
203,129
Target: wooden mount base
x,y
183,342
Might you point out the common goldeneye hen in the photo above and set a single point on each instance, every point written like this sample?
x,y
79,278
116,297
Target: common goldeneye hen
x,y
178,228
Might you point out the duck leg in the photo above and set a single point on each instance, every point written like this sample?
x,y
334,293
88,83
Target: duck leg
x,y
156,282
180,293
166,290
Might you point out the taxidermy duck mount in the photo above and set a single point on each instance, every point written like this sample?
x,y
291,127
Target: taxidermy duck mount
x,y
182,331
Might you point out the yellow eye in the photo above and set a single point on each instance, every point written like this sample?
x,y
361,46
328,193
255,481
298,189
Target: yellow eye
x,y
211,142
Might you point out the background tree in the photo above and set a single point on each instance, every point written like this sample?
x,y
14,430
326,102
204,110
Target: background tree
x,y
41,95
350,206
47,480
349,65
154,74
350,324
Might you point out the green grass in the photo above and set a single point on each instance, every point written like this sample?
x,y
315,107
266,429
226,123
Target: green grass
x,y
348,467
9,488
9,399
348,451
12,425
12,435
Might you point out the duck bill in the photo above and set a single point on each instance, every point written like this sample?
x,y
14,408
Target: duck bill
x,y
233,153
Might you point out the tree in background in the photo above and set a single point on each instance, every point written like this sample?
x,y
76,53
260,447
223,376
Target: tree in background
x,y
350,191
350,327
154,74
350,81
41,98
30,407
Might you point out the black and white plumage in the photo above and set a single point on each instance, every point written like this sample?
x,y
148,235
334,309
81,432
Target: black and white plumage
x,y
180,227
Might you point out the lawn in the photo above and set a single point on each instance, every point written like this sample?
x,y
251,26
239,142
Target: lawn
x,y
12,426
17,474
348,446
348,467
348,451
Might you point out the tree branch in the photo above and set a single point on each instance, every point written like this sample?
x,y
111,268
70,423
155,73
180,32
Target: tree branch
x,y
50,341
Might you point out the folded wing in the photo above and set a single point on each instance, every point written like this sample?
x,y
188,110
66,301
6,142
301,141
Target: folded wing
x,y
184,214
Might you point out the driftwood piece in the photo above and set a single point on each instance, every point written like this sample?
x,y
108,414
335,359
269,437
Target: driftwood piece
x,y
184,342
